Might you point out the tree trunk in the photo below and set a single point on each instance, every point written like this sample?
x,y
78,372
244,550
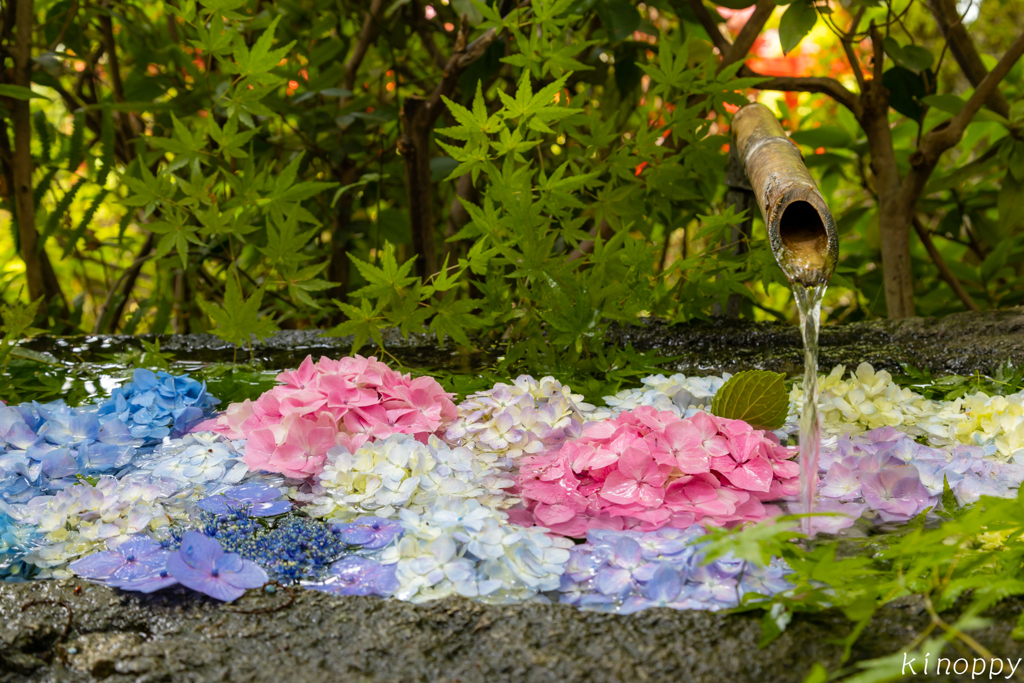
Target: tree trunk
x,y
21,167
894,220
414,146
894,227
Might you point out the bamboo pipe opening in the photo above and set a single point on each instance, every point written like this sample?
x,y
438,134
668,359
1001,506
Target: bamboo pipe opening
x,y
800,226
804,235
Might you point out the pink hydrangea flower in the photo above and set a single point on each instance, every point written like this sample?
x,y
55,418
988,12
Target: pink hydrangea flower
x,y
646,470
345,402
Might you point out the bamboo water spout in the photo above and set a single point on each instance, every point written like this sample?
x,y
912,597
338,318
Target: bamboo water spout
x,y
801,229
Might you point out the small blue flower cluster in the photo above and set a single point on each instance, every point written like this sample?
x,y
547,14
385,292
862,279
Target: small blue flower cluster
x,y
296,549
629,571
155,405
293,548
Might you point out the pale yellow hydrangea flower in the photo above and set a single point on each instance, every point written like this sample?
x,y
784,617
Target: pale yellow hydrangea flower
x,y
997,420
870,399
867,399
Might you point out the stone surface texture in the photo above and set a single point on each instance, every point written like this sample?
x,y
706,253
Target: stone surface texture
x,y
176,636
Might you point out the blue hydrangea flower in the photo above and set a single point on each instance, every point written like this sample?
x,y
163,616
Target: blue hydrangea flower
x,y
15,433
16,540
155,405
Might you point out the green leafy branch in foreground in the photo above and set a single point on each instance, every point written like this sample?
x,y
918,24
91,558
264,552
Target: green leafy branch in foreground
x,y
973,560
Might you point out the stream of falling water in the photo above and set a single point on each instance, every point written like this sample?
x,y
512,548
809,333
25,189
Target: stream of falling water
x,y
808,304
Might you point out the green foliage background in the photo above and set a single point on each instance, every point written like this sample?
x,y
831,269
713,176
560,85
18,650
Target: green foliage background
x,y
238,166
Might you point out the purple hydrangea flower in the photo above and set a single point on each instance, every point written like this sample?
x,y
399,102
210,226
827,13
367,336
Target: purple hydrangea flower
x,y
841,483
663,590
15,433
715,589
202,565
625,566
896,493
670,544
835,515
356,575
372,533
97,457
137,555
151,582
70,427
260,496
58,463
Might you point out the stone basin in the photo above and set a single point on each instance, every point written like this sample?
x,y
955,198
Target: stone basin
x,y
179,636
75,631
962,343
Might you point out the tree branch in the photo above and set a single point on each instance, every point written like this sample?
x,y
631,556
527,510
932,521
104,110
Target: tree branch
x,y
604,229
960,44
815,84
121,291
878,55
366,36
462,56
427,38
114,68
749,33
948,134
851,56
711,26
417,117
944,272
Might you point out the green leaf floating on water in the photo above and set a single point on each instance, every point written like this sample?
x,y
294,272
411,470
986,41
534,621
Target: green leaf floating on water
x,y
755,396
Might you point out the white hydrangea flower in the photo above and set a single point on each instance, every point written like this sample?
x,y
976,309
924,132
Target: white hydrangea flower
x,y
461,547
198,458
678,394
512,421
399,472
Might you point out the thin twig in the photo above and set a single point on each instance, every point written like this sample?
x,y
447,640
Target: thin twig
x,y
944,272
847,42
749,33
710,26
812,84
